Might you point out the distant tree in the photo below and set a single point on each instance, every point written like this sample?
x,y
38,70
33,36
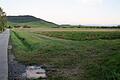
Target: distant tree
x,y
3,20
17,26
119,26
26,26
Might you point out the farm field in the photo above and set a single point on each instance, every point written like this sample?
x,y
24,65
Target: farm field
x,y
70,53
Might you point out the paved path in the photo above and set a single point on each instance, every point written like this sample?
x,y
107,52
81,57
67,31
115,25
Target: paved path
x,y
4,39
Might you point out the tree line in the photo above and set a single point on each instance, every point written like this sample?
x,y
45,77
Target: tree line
x,y
3,20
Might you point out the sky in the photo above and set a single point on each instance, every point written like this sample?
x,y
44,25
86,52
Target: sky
x,y
87,12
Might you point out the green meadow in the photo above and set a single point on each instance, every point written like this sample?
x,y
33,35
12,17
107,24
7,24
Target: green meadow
x,y
70,54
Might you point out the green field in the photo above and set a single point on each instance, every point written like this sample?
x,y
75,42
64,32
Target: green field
x,y
29,21
34,24
73,54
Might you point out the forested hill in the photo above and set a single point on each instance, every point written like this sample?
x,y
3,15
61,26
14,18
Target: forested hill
x,y
22,19
30,21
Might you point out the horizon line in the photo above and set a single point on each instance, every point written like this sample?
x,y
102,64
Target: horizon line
x,y
70,23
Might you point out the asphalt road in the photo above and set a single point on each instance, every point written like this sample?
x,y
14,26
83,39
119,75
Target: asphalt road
x,y
4,39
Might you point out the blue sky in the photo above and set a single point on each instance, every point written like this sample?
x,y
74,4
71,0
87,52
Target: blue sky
x,y
101,12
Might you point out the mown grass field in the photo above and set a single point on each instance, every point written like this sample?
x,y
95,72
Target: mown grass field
x,y
33,24
74,54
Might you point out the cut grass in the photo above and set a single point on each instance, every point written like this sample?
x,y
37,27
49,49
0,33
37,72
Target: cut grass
x,y
81,36
72,59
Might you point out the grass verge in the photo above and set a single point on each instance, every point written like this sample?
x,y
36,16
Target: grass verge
x,y
70,58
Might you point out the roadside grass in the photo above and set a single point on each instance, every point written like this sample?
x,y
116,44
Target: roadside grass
x,y
70,57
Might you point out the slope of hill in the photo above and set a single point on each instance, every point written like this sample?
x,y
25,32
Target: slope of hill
x,y
30,21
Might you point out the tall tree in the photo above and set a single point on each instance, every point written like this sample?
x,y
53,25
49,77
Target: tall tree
x,y
3,20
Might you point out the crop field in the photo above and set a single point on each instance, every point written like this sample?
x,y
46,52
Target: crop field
x,y
70,54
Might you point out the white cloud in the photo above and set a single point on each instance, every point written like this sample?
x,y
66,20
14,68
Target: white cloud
x,y
92,2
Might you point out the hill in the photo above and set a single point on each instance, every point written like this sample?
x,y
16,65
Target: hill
x,y
30,21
